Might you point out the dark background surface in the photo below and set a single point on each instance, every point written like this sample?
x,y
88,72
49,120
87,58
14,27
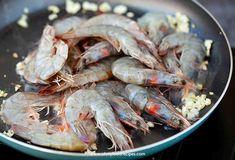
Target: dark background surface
x,y
215,139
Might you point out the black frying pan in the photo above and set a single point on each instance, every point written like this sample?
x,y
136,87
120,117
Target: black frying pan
x,y
15,39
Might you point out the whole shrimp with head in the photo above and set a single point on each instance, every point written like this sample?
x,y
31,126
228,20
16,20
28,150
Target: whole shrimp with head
x,y
125,23
20,111
157,106
132,71
51,54
120,39
87,104
124,111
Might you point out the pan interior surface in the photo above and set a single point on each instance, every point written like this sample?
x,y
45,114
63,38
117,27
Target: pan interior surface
x,y
21,41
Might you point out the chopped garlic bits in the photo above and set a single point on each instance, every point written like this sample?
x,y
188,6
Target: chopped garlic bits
x,y
208,45
180,22
20,66
105,7
120,9
54,9
89,6
3,93
193,104
54,12
9,133
130,14
72,7
23,21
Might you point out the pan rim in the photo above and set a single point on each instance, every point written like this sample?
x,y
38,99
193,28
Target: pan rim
x,y
149,146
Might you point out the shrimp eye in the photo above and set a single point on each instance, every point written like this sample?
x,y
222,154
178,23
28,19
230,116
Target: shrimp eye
x,y
183,82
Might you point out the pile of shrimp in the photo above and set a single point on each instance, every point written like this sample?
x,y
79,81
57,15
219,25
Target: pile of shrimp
x,y
101,74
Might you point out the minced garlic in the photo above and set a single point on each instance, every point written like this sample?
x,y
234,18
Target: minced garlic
x,y
179,22
9,133
105,7
20,66
89,6
150,124
52,16
15,55
211,93
72,7
193,104
3,93
120,9
208,44
22,22
54,12
17,87
54,9
130,14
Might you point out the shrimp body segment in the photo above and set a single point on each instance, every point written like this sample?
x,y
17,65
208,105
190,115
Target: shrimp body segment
x,y
124,111
132,71
95,53
87,104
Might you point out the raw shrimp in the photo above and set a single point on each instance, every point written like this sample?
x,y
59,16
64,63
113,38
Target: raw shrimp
x,y
29,69
156,25
87,104
120,39
95,53
157,106
125,23
65,25
132,71
21,112
124,111
93,73
51,54
192,51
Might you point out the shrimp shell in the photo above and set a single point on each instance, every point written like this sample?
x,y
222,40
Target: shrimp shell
x,y
132,71
119,38
53,54
88,104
